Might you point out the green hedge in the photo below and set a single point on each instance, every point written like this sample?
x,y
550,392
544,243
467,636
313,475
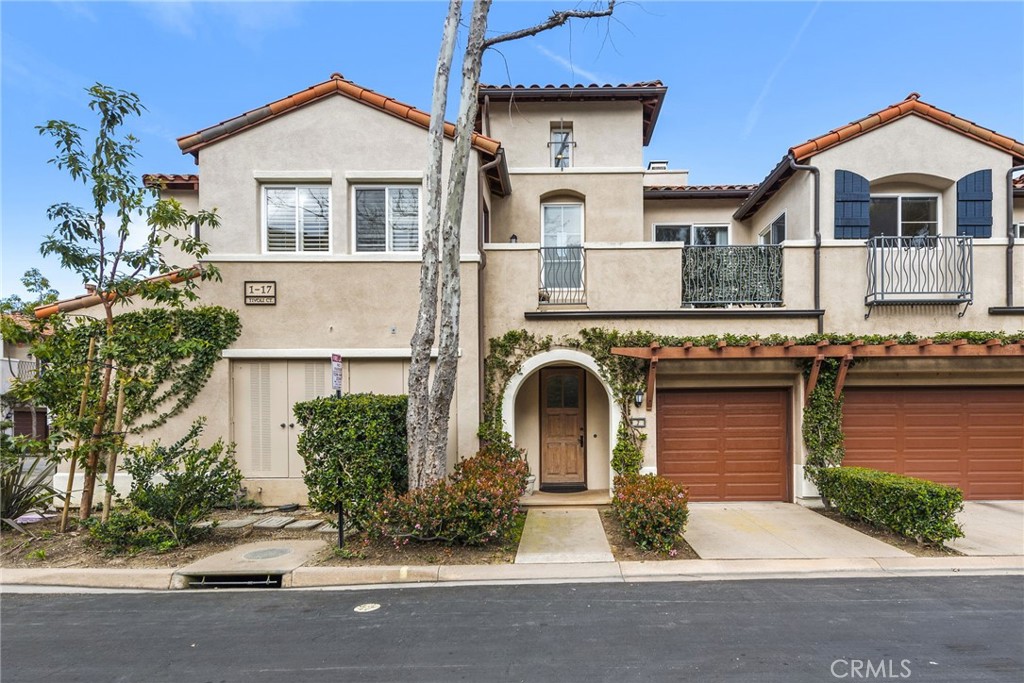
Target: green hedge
x,y
358,440
476,505
919,509
652,509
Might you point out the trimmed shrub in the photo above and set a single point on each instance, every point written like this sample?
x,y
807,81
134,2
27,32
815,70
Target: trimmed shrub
x,y
919,509
652,509
357,442
476,505
627,456
173,489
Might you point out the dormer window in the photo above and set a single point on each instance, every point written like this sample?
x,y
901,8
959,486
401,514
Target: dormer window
x,y
561,144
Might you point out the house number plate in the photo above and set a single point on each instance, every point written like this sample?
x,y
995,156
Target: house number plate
x,y
260,293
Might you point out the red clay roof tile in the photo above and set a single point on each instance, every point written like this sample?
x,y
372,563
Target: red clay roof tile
x,y
171,181
336,85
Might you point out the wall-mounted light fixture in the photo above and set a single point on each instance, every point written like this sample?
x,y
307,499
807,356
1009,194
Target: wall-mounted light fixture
x,y
514,238
638,399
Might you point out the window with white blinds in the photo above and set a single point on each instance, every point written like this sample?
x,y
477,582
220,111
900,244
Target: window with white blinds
x,y
297,217
387,218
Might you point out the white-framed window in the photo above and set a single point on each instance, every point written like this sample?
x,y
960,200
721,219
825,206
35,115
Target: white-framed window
x,y
297,218
561,144
775,233
695,234
904,215
1019,230
562,246
386,218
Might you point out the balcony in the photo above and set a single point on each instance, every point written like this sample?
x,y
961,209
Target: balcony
x,y
920,271
562,271
718,276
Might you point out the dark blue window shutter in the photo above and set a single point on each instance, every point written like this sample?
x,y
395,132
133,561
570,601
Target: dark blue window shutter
x,y
974,204
853,206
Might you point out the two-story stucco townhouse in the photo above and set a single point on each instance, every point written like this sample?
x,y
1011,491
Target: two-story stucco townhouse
x,y
902,221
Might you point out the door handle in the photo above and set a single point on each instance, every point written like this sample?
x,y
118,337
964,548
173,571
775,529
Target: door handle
x,y
291,425
283,425
581,441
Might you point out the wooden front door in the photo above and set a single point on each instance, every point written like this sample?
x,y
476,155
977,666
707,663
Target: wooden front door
x,y
563,455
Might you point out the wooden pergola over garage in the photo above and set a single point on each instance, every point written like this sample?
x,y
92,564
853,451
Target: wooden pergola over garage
x,y
732,444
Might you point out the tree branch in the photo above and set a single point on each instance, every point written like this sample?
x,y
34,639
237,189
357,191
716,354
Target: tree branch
x,y
556,19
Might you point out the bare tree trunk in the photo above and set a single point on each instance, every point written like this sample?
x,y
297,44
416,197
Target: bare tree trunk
x,y
95,446
451,282
108,494
420,474
78,439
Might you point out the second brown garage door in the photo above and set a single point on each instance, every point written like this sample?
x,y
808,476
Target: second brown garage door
x,y
968,437
725,445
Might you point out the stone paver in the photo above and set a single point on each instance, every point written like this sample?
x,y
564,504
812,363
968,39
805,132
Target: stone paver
x,y
238,523
993,527
273,523
723,531
302,524
563,535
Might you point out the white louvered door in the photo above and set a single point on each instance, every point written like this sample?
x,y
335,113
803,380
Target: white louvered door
x,y
265,431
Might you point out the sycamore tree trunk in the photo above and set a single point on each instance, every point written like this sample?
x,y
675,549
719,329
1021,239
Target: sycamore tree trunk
x,y
96,440
430,401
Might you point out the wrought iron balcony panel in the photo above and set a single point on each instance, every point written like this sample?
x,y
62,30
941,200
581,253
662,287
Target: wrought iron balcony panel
x,y
748,275
920,270
562,271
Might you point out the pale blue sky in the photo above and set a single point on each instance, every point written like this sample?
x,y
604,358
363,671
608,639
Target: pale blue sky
x,y
746,80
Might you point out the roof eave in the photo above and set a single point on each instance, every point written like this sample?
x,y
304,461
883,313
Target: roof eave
x,y
696,194
779,175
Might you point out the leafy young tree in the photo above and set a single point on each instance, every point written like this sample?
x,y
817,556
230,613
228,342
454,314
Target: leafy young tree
x,y
94,242
430,400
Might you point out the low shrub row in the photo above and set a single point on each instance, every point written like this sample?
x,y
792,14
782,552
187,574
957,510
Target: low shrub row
x,y
652,509
919,509
477,504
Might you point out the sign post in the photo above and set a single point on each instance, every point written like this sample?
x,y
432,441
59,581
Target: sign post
x,y
336,374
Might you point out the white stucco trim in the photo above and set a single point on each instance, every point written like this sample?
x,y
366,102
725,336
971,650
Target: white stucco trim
x,y
321,353
312,257
560,357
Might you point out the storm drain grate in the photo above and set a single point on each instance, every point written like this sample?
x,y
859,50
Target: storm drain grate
x,y
235,581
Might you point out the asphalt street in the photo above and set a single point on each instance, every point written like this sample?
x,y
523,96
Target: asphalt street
x,y
920,629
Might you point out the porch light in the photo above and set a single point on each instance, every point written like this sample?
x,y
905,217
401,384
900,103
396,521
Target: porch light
x,y
638,398
514,238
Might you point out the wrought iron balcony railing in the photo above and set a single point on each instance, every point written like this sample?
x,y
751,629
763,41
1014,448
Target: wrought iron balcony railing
x,y
920,270
738,275
562,272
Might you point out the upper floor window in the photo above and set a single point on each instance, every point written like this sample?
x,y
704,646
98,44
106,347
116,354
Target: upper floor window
x,y
1020,230
699,235
775,233
561,145
297,218
387,218
904,216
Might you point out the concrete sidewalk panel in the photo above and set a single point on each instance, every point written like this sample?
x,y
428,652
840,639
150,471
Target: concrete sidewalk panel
x,y
707,570
724,531
304,577
149,579
264,557
559,535
991,528
951,565
530,572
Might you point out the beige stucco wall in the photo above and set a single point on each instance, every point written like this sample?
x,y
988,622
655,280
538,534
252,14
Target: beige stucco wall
x,y
607,134
915,152
796,199
612,205
334,140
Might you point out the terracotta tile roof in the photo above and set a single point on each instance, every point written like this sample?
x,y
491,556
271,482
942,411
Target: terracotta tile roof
x,y
172,181
698,191
650,94
93,298
337,85
911,105
704,188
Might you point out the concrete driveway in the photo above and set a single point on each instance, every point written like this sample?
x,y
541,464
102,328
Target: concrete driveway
x,y
993,527
732,531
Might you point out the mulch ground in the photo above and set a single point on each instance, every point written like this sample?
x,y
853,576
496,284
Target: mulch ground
x,y
902,542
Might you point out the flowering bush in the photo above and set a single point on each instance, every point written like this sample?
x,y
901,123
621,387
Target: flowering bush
x,y
652,510
476,505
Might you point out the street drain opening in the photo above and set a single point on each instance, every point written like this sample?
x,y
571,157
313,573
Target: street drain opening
x,y
235,581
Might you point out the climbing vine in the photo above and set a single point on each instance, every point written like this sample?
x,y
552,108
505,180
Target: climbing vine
x,y
823,422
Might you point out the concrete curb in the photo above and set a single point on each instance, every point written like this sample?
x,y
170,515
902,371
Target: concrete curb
x,y
624,572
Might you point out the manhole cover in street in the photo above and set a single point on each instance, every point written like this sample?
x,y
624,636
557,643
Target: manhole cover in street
x,y
368,607
266,553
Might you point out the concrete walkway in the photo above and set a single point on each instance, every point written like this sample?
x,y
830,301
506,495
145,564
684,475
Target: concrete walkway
x,y
727,531
991,528
553,535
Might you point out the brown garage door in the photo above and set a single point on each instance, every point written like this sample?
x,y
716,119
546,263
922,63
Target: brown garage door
x,y
725,445
968,437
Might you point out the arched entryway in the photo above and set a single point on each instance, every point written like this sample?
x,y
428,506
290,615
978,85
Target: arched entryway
x,y
560,410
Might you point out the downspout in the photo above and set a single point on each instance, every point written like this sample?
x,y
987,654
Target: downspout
x,y
1009,234
817,236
